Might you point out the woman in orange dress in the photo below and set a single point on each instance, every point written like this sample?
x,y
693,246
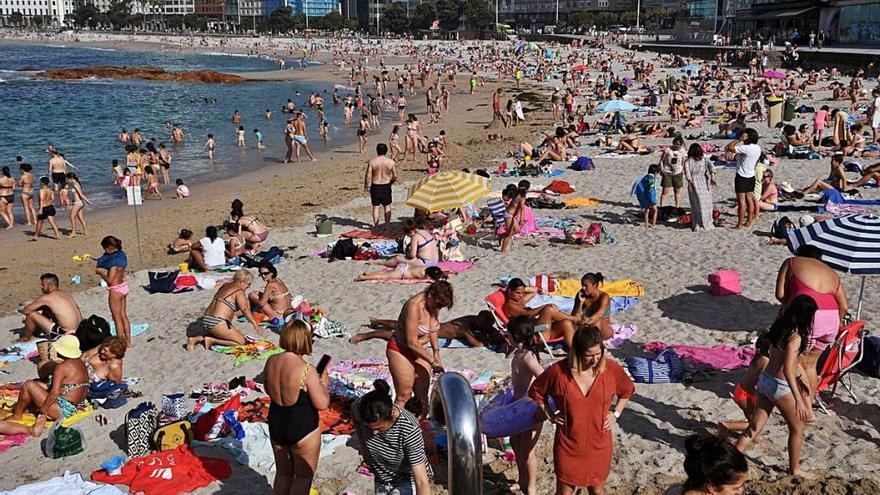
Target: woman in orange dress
x,y
582,388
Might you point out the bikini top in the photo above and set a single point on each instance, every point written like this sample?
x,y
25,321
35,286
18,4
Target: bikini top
x,y
225,302
428,331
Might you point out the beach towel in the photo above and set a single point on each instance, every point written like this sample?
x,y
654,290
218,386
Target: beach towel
x,y
254,450
368,234
19,351
645,191
28,419
248,352
560,187
620,334
450,266
569,287
9,441
722,357
581,201
168,473
136,328
66,484
336,419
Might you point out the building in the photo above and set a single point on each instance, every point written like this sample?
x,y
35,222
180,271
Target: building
x,y
785,20
313,8
49,11
851,21
535,14
252,8
171,7
212,9
710,12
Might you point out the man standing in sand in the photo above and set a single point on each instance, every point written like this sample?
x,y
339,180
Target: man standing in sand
x,y
58,170
54,313
381,173
300,136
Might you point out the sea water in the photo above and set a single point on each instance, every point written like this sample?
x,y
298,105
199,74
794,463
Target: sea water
x,y
82,118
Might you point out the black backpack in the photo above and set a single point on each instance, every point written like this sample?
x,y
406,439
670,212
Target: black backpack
x,y
870,364
344,248
91,332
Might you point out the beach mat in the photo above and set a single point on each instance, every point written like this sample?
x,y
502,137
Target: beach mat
x,y
136,328
368,234
261,349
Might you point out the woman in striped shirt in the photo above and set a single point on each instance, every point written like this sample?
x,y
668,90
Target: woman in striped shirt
x,y
391,441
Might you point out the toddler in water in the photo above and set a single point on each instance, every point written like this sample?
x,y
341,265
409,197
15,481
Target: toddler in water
x,y
241,136
152,182
209,146
182,190
259,137
64,196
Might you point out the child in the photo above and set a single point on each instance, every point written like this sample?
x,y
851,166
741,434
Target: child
x,y
819,122
646,192
152,182
259,137
324,129
182,190
125,180
779,384
64,196
183,242
268,114
209,146
241,136
524,368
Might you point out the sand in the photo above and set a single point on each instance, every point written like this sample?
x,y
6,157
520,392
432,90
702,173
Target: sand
x,y
670,261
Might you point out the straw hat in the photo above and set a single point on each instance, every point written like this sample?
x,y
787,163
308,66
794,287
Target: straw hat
x,y
67,346
787,187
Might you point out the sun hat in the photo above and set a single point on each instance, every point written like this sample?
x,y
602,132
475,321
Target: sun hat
x,y
67,346
805,220
787,187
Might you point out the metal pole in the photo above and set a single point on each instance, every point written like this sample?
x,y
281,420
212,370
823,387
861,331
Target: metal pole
x,y
463,435
306,12
638,18
496,16
861,294
557,14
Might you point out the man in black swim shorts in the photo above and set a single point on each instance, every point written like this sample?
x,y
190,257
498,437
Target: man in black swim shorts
x,y
381,173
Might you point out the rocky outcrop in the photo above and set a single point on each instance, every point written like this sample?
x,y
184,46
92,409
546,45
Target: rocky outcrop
x,y
148,73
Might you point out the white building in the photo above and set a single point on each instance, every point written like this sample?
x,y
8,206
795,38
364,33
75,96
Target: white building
x,y
58,10
171,7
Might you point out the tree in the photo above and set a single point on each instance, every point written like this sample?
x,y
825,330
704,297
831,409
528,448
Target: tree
x,y
582,19
423,16
16,18
394,18
628,18
118,13
478,13
86,14
605,19
174,22
448,12
330,22
195,23
281,20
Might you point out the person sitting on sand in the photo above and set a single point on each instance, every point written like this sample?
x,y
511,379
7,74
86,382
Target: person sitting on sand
x,y
54,313
836,179
477,330
422,249
65,393
409,362
216,324
779,385
594,304
182,244
208,252
713,466
629,142
550,321
769,200
249,227
103,362
274,300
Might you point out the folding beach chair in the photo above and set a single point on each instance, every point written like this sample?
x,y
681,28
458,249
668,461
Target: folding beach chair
x,y
798,152
495,304
842,356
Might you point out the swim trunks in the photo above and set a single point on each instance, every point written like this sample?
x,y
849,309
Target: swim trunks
x,y
299,138
380,194
59,178
744,185
46,212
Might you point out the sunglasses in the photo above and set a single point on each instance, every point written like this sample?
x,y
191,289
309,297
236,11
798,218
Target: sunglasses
x,y
265,274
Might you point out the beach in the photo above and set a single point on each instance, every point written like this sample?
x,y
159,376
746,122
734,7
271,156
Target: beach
x,y
671,262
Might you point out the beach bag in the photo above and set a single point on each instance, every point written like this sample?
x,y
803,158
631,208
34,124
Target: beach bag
x,y
140,424
174,406
272,255
665,368
172,435
162,282
210,425
64,442
582,164
91,332
344,248
724,283
108,394
870,363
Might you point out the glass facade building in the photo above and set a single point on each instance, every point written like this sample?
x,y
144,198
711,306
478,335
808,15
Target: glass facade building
x,y
859,23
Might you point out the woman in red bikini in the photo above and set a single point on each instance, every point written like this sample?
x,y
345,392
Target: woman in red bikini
x,y
806,274
409,362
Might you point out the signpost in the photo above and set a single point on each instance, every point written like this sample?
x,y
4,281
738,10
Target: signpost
x,y
133,195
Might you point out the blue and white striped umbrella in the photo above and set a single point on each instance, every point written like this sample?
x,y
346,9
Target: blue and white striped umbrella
x,y
849,244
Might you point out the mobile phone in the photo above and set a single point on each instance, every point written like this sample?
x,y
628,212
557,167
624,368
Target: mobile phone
x,y
323,363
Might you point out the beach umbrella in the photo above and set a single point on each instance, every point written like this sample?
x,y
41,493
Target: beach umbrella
x,y
579,68
446,190
617,106
690,68
850,244
773,74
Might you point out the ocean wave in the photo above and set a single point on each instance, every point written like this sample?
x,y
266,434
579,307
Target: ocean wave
x,y
3,81
240,55
99,49
56,46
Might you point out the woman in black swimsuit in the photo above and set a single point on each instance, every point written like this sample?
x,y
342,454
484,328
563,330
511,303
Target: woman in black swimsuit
x,y
7,197
297,393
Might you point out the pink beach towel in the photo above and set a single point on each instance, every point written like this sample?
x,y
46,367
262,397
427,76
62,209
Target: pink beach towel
x,y
9,441
367,234
620,334
722,357
449,266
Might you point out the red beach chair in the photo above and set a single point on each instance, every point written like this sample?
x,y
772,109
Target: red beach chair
x,y
843,355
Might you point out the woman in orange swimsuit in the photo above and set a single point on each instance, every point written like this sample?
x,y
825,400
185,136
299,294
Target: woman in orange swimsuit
x,y
409,362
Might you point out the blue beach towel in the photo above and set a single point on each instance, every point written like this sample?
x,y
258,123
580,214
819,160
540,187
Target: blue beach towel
x,y
136,328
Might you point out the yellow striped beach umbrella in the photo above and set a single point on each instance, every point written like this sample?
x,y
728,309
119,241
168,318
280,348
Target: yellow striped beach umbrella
x,y
446,190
